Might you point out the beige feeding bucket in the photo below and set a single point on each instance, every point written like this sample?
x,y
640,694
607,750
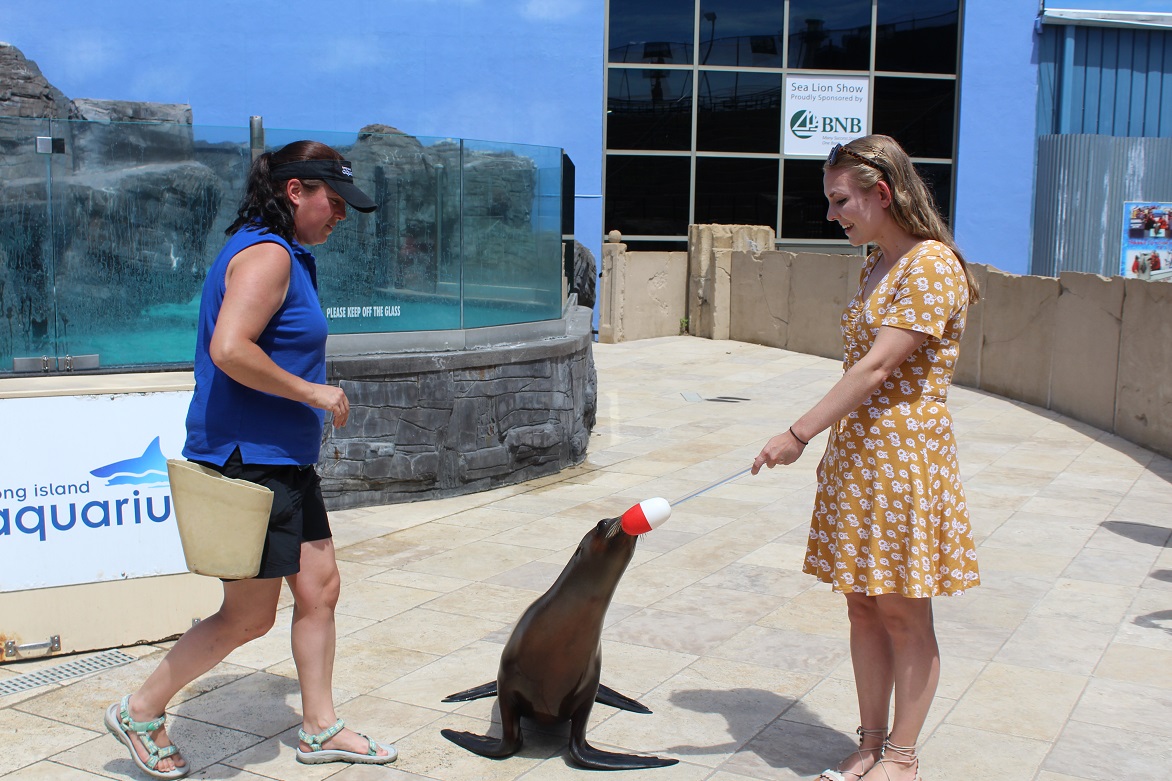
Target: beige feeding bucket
x,y
222,521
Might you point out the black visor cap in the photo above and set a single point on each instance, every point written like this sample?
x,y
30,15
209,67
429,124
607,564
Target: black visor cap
x,y
337,173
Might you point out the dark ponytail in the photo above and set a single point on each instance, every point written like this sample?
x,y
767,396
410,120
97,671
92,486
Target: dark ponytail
x,y
264,200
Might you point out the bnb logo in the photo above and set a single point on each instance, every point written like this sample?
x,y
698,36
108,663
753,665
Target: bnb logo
x,y
803,123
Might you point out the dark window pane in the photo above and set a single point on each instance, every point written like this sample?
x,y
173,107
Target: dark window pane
x,y
916,35
652,31
938,177
835,36
649,109
918,113
647,195
737,192
746,33
803,203
738,112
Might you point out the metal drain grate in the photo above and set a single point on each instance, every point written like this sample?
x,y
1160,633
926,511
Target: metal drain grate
x,y
78,667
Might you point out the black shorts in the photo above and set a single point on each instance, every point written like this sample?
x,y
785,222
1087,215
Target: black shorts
x,y
298,515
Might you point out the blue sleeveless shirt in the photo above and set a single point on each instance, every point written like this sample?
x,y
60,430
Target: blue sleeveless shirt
x,y
225,415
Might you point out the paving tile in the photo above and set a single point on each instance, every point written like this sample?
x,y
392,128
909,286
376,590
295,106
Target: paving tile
x,y
956,752
1099,753
789,750
475,562
682,633
1134,707
362,665
1055,644
1136,664
1126,568
1083,600
504,604
83,702
816,611
428,631
1054,669
783,648
379,601
28,738
718,603
758,580
645,585
427,686
636,669
51,771
1039,530
201,745
262,704
426,753
1022,701
220,772
982,607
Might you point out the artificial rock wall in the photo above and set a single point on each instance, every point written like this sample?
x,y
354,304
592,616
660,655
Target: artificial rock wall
x,y
426,425
1093,348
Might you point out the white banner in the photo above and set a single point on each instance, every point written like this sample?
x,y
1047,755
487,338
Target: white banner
x,y
84,495
821,111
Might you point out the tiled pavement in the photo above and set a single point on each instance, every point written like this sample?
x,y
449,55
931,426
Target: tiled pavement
x,y
1058,668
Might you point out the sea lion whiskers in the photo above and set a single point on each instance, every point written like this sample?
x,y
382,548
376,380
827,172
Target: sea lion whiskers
x,y
615,527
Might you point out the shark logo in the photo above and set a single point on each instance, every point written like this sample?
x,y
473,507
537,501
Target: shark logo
x,y
148,469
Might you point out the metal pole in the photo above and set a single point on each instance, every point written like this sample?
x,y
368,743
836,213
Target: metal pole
x,y
256,136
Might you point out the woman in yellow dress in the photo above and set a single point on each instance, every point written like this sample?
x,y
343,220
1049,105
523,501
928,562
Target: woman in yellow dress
x,y
890,528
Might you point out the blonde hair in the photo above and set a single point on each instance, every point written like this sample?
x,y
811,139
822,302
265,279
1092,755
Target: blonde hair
x,y
878,158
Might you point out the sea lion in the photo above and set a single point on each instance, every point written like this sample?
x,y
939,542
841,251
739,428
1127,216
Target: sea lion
x,y
550,667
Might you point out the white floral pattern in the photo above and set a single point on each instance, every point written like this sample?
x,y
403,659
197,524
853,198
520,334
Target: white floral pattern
x,y
890,515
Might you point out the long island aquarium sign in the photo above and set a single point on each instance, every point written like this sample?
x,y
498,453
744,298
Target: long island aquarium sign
x,y
84,495
821,111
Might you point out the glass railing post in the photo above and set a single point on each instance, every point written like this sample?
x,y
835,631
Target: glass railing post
x,y
256,136
460,224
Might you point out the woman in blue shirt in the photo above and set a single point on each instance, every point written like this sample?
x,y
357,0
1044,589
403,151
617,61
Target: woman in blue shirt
x,y
257,414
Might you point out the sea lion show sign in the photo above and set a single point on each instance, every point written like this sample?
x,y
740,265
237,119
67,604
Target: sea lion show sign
x,y
821,111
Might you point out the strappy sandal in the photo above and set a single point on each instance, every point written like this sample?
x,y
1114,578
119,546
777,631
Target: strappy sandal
x,y
319,756
120,724
835,774
899,755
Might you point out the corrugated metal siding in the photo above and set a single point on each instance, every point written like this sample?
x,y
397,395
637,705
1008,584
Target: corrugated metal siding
x,y
1082,183
1105,81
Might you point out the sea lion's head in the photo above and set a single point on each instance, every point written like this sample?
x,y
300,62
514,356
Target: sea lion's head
x,y
606,549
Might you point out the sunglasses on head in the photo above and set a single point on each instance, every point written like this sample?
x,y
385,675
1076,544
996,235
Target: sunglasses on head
x,y
839,149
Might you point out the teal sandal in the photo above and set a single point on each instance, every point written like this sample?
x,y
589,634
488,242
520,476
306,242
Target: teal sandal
x,y
120,724
319,756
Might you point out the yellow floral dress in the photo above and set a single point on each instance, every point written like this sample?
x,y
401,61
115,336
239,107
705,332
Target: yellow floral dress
x,y
890,515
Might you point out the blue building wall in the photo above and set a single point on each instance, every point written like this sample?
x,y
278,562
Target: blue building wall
x,y
997,136
522,71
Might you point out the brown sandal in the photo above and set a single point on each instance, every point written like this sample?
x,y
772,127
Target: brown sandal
x,y
836,774
903,755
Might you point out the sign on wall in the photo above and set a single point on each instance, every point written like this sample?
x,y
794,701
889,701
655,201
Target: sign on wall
x,y
84,495
1147,240
821,111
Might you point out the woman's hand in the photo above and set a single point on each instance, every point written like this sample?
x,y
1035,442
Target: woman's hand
x,y
783,449
333,400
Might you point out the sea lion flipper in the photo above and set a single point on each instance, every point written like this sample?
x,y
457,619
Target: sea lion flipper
x,y
485,746
475,693
591,758
608,696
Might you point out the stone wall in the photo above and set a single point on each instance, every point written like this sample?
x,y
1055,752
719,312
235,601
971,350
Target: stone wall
x,y
425,425
661,311
1094,348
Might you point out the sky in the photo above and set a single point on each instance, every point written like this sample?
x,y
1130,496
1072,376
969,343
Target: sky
x,y
517,71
